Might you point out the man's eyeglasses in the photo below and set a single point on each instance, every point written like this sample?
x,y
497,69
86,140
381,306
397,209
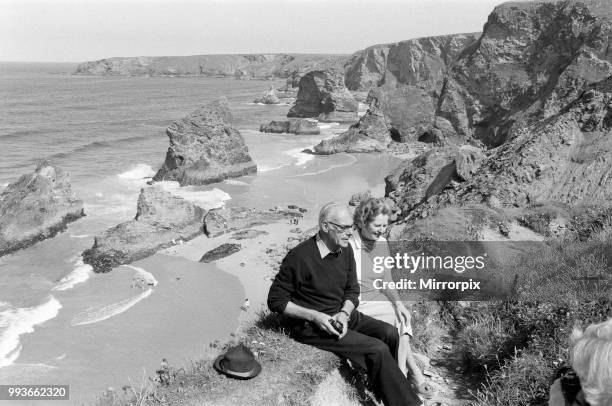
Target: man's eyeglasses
x,y
342,228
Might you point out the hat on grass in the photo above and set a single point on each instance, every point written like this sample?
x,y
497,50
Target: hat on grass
x,y
238,362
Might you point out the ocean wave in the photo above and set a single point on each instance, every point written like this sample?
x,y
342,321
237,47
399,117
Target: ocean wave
x,y
267,168
80,274
137,173
327,126
326,169
207,199
23,134
97,145
17,321
235,182
95,315
79,235
300,157
146,277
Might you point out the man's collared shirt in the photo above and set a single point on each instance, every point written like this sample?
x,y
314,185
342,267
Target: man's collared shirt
x,y
323,250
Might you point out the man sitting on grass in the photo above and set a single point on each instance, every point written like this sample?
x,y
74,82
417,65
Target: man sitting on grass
x,y
317,288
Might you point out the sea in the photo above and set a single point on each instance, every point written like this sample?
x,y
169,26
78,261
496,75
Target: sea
x,y
60,323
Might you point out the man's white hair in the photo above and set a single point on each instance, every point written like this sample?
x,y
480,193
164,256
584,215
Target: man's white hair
x,y
592,360
325,211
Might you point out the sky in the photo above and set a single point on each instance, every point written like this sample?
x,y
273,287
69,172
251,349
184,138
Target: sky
x,y
82,30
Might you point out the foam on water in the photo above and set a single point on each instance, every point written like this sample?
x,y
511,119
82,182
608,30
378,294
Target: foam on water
x,y
235,182
79,235
327,126
353,160
300,157
147,277
95,315
266,168
207,199
17,321
80,274
137,173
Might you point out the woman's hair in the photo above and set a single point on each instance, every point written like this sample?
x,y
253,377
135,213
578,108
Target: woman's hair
x,y
592,360
368,209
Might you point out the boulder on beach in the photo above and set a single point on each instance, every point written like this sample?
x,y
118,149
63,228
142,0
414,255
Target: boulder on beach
x,y
35,207
303,126
322,95
268,97
161,219
205,148
222,251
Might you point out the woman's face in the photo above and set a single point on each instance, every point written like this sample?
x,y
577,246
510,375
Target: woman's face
x,y
376,228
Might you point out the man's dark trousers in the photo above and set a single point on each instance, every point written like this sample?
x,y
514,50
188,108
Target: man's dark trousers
x,y
371,344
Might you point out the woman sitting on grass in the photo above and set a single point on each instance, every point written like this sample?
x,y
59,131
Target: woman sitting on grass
x,y
589,382
371,219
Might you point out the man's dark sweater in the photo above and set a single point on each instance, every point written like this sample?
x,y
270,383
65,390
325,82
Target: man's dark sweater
x,y
316,283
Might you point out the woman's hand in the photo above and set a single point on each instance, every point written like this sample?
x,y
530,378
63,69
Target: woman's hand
x,y
402,312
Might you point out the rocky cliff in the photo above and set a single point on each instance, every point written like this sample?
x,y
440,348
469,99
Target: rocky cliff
x,y
161,220
35,207
565,159
255,66
405,79
531,60
323,95
205,148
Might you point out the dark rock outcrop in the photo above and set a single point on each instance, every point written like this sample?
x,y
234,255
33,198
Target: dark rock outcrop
x,y
370,134
303,126
35,207
205,148
254,66
161,219
222,251
322,95
269,97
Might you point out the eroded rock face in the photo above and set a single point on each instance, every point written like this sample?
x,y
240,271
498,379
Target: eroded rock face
x,y
405,79
36,207
565,159
161,220
322,95
533,59
205,148
370,134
